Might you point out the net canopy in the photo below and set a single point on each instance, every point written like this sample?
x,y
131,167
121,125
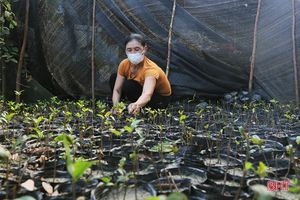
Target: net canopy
x,y
211,50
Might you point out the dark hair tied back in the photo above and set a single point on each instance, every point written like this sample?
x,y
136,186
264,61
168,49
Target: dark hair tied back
x,y
137,37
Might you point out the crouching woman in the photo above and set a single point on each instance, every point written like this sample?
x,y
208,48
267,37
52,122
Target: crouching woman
x,y
139,79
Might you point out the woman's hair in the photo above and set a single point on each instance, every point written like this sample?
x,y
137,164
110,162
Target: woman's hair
x,y
137,37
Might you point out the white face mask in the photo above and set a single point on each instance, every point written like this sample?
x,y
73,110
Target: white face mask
x,y
135,58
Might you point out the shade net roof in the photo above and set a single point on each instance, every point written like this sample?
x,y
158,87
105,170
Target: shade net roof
x,y
212,43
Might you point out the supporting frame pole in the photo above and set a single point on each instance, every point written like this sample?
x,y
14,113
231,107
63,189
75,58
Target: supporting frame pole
x,y
93,54
294,52
170,38
252,65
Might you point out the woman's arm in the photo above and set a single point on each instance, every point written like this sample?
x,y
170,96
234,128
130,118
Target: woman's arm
x,y
117,92
147,93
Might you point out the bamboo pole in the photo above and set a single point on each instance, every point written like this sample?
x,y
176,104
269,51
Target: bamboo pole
x,y
294,52
170,38
93,54
22,53
250,85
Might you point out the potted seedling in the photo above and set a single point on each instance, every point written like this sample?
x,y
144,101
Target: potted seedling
x,y
247,164
75,166
6,119
129,129
255,139
290,151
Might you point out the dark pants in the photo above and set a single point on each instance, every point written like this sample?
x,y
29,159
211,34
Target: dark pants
x,y
132,90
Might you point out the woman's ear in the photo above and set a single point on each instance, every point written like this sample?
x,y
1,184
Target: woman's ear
x,y
145,49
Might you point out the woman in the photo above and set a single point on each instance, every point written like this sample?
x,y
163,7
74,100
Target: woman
x,y
139,79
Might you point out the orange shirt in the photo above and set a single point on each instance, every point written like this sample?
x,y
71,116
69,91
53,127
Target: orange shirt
x,y
149,68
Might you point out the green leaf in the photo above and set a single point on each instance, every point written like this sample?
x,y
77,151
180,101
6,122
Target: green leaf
x,y
241,130
274,101
206,126
39,133
66,139
9,116
294,181
177,196
248,166
122,162
255,139
116,132
289,149
164,147
135,123
78,168
34,136
181,119
128,129
261,170
7,6
105,179
295,189
7,14
133,156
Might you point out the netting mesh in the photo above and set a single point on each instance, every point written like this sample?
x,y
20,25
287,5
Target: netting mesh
x,y
211,46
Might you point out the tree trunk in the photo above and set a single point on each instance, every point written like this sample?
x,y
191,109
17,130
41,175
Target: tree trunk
x,y
22,53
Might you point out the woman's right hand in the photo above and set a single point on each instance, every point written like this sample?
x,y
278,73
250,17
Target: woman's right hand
x,y
134,108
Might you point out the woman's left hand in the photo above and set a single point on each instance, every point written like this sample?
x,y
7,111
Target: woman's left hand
x,y
134,108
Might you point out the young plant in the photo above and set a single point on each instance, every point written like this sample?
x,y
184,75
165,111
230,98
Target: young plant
x,y
6,119
118,109
255,139
129,129
123,176
290,151
247,165
261,170
38,132
75,167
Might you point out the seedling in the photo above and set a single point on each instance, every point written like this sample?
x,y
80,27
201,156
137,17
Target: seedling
x,y
255,139
261,170
133,124
76,167
6,119
290,151
182,117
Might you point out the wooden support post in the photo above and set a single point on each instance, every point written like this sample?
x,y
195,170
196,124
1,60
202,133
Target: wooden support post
x,y
93,54
250,85
294,52
22,53
170,38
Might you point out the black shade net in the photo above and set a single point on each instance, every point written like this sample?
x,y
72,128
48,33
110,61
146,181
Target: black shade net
x,y
211,45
